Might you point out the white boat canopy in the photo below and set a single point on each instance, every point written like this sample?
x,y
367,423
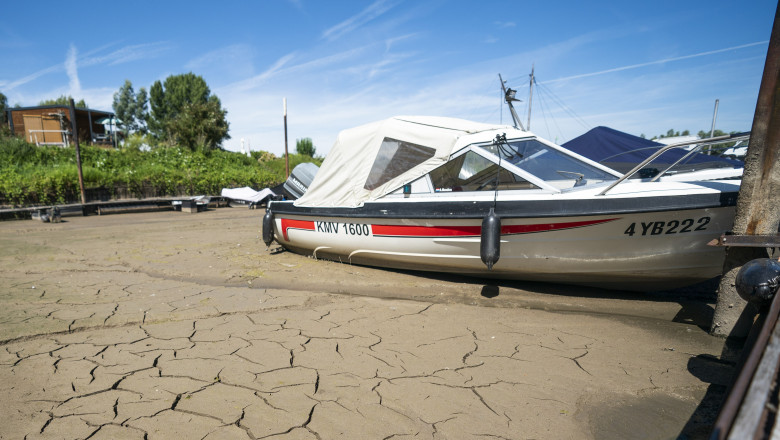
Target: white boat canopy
x,y
372,160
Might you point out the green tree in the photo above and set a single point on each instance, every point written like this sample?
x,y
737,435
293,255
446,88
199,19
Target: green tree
x,y
186,97
705,134
3,108
305,147
130,108
199,126
64,100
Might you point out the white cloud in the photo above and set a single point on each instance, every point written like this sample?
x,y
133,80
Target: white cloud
x,y
662,61
373,11
71,68
123,55
236,57
127,54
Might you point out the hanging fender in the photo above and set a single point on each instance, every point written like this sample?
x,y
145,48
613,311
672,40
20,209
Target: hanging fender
x,y
268,227
490,241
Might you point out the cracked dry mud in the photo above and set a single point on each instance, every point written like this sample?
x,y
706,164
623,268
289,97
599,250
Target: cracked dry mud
x,y
172,325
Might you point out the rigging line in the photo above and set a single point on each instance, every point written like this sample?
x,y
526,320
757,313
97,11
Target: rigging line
x,y
543,93
566,108
544,117
557,127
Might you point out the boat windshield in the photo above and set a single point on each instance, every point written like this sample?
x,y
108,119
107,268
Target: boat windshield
x,y
548,163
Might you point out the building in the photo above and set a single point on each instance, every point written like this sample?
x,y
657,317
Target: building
x,y
51,125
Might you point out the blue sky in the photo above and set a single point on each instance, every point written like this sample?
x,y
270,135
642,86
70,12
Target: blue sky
x,y
639,67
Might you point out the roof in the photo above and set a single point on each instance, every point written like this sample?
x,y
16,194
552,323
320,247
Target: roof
x,y
65,106
343,178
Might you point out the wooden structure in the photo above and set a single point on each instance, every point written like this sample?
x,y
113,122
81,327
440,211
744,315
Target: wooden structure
x,y
51,125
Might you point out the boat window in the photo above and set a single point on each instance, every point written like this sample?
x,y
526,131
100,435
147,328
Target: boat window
x,y
548,163
395,158
472,172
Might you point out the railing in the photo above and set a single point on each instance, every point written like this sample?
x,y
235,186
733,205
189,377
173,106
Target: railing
x,y
699,143
63,133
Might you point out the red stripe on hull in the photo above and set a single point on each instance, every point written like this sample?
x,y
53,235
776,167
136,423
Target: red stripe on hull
x,y
425,231
473,231
295,224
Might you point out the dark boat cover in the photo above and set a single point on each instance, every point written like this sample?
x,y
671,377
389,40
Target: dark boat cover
x,y
622,152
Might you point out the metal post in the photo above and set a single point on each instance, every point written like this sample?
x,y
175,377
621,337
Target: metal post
x,y
530,97
91,133
714,118
759,195
286,154
78,150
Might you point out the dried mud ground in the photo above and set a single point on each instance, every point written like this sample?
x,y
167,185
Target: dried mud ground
x,y
175,325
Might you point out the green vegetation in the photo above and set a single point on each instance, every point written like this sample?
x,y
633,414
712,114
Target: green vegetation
x,y
31,175
64,100
130,108
185,113
180,156
3,109
305,146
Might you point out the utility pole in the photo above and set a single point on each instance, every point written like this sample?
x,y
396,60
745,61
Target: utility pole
x,y
75,129
286,154
758,205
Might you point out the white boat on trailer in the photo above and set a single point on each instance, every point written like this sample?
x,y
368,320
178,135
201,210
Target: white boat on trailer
x,y
449,195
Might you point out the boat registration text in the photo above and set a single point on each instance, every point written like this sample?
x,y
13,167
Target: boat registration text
x,y
343,228
670,227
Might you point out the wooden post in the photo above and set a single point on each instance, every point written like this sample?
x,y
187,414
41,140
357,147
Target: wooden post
x,y
758,205
286,154
78,150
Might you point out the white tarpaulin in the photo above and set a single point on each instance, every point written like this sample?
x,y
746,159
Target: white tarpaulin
x,y
247,194
372,160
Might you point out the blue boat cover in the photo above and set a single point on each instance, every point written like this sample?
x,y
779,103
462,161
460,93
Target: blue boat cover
x,y
622,152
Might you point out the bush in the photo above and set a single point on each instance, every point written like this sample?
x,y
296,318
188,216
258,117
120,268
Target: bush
x,y
32,175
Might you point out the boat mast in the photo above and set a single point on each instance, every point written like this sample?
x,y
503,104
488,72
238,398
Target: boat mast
x,y
509,97
530,96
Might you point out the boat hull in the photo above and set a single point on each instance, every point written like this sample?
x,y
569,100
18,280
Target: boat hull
x,y
641,251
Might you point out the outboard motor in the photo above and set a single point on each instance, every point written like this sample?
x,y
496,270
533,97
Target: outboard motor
x,y
268,227
490,241
299,180
757,281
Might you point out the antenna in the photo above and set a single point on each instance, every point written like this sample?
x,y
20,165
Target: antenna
x,y
509,97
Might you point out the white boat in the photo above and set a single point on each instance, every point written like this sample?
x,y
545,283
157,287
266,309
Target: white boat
x,y
415,193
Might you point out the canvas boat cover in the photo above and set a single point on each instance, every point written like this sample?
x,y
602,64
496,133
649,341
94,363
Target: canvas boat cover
x,y
372,160
622,152
247,194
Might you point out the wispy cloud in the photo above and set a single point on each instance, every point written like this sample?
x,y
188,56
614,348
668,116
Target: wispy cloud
x,y
257,80
10,85
373,11
71,68
91,58
390,42
131,53
232,54
665,60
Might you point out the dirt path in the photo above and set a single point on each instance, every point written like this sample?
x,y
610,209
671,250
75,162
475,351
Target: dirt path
x,y
167,324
